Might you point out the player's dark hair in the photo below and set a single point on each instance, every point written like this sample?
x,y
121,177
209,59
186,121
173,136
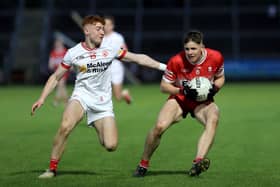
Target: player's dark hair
x,y
109,17
92,19
195,36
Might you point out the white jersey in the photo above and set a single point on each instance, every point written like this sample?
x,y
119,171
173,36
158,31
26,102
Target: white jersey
x,y
93,74
116,41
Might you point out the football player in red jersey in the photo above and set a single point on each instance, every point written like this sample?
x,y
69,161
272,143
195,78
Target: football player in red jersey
x,y
194,60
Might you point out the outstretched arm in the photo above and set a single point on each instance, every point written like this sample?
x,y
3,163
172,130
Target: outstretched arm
x,y
49,86
144,60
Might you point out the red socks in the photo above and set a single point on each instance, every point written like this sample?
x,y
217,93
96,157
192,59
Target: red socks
x,y
144,163
53,164
196,160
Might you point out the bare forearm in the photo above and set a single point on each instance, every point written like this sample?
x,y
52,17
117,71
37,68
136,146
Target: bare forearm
x,y
49,86
219,82
144,60
168,88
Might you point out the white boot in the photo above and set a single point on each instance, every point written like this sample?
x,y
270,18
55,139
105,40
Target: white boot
x,y
47,174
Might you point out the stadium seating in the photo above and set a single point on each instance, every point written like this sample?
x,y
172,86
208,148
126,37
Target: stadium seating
x,y
7,16
156,27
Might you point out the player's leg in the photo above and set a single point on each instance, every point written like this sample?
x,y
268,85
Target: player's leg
x,y
121,93
208,115
117,90
56,97
58,93
117,82
107,132
170,113
73,113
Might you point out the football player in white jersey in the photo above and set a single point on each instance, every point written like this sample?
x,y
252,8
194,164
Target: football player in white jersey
x,y
117,41
92,94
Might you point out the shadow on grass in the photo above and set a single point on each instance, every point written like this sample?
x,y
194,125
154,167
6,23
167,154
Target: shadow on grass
x,y
165,172
59,173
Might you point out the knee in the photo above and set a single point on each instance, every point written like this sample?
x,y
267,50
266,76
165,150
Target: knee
x,y
111,147
159,129
64,131
65,128
118,96
213,121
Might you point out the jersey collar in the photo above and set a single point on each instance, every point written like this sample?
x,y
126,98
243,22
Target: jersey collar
x,y
202,59
86,47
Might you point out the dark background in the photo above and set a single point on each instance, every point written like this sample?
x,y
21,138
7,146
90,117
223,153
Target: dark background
x,y
246,32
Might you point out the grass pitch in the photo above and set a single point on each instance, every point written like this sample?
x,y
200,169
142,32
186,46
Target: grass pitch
x,y
245,152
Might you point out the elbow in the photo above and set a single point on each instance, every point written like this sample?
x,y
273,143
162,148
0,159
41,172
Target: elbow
x,y
163,89
223,82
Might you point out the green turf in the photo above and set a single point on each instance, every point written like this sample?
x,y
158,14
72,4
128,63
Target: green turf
x,y
245,153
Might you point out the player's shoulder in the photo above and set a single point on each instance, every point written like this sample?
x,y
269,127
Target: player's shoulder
x,y
117,37
108,47
109,50
215,54
117,34
75,48
179,57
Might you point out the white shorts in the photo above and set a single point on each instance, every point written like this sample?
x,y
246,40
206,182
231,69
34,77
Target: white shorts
x,y
93,112
117,72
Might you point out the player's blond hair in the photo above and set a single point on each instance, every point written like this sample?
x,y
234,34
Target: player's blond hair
x,y
92,19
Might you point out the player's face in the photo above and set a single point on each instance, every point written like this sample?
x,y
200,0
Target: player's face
x,y
193,51
94,33
109,26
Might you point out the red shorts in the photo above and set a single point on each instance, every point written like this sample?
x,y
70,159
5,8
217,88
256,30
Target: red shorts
x,y
188,106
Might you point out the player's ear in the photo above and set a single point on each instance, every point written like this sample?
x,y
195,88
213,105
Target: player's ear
x,y
85,29
202,45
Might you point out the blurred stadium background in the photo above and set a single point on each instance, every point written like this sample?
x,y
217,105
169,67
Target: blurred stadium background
x,y
246,151
247,33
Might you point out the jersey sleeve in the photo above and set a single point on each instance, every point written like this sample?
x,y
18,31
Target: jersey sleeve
x,y
121,53
169,74
220,65
122,42
67,60
118,41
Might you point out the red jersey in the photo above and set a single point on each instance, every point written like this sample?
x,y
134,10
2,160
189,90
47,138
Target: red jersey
x,y
179,69
56,57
